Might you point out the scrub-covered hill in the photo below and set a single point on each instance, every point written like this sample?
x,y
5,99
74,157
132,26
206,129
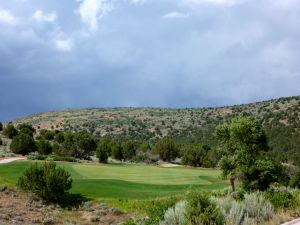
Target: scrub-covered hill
x,y
280,118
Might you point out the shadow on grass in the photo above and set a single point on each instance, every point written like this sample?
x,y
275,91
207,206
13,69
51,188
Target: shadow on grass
x,y
72,200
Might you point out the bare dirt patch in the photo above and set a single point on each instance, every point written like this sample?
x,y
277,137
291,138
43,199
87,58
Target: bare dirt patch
x,y
168,165
19,208
11,159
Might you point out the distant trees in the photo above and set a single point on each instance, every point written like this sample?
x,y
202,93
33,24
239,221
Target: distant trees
x,y
80,145
26,129
23,143
244,143
166,149
47,134
10,131
103,150
129,149
44,147
116,150
193,155
1,126
85,145
59,137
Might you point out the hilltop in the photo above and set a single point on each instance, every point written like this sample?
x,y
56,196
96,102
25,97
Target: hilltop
x,y
280,118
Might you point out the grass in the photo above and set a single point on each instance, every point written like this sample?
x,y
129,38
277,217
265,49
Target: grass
x,y
119,182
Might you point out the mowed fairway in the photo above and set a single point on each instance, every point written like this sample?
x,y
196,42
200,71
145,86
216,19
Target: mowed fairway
x,y
97,181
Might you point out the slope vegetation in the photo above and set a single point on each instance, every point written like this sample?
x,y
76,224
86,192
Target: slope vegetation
x,y
280,119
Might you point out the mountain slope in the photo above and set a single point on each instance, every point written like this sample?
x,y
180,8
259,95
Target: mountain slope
x,y
280,118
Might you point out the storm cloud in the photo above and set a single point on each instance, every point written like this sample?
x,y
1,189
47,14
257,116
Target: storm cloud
x,y
162,53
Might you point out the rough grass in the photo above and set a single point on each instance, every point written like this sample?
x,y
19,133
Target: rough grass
x,y
97,181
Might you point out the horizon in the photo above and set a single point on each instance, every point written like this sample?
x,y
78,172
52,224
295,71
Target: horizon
x,y
145,107
143,53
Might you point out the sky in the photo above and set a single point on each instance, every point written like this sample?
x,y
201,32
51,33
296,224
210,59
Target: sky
x,y
58,54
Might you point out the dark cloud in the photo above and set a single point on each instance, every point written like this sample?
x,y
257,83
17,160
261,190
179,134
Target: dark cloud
x,y
210,55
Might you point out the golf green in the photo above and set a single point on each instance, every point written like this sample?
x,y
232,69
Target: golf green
x,y
99,181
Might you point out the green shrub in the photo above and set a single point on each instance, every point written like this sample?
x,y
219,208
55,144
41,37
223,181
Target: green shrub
x,y
193,155
157,208
175,215
281,197
295,180
102,156
23,144
167,150
46,180
103,150
63,158
140,158
44,146
10,131
239,194
26,129
129,149
201,210
36,157
47,134
221,193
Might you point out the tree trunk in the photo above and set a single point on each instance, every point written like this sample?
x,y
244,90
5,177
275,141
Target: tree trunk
x,y
232,184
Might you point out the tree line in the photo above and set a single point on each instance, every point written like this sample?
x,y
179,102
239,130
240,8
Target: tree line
x,y
82,145
243,151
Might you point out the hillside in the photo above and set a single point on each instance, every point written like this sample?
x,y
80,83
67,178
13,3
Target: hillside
x,y
280,118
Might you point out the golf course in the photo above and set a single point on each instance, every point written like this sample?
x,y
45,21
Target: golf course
x,y
118,181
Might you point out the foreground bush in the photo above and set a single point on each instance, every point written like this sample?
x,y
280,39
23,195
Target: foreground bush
x,y
202,210
175,215
295,180
46,180
254,209
157,208
257,207
282,197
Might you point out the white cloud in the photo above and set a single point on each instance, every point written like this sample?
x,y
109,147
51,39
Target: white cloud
x,y
91,11
7,18
64,45
41,16
173,15
137,1
284,4
215,2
